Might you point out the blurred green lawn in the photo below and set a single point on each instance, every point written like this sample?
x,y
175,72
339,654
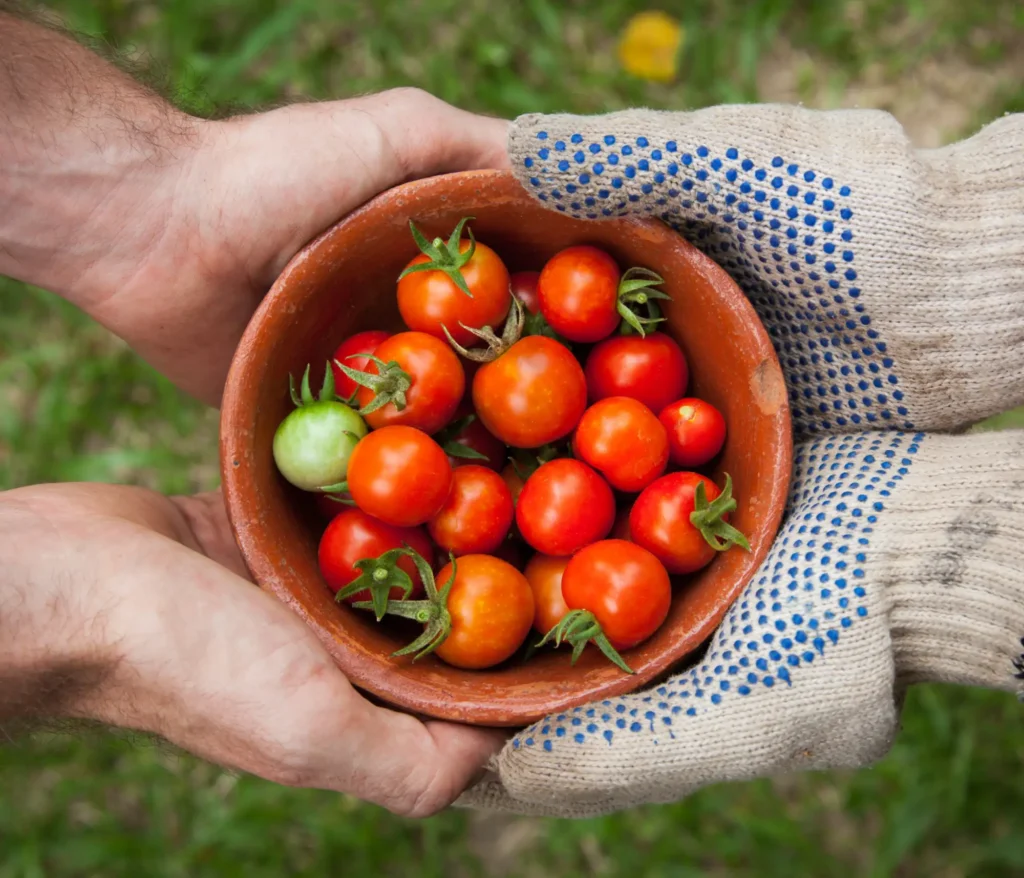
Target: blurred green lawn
x,y
76,404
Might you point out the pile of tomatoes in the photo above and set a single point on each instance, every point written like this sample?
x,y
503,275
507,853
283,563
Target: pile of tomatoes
x,y
522,457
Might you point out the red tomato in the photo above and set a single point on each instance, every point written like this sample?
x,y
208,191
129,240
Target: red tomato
x,y
623,440
360,343
623,585
399,475
524,287
660,521
354,536
578,291
544,573
532,394
437,383
477,514
652,370
491,607
564,506
696,431
430,300
475,437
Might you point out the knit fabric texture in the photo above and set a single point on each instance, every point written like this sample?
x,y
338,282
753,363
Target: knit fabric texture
x,y
892,284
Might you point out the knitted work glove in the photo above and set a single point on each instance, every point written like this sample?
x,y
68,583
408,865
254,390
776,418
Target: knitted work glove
x,y
892,284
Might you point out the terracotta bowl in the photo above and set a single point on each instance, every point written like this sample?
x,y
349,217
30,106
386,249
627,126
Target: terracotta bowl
x,y
344,282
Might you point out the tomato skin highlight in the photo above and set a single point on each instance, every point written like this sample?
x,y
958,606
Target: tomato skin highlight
x,y
623,440
578,290
532,394
544,573
696,431
625,586
438,382
399,475
660,522
491,606
353,536
524,287
563,506
477,515
360,343
652,370
428,300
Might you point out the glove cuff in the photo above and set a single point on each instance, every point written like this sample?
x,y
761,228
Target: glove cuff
x,y
953,563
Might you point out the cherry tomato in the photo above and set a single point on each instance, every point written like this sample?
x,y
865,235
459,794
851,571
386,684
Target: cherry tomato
x,y
313,444
532,394
436,388
477,514
544,573
626,588
652,370
360,343
466,435
524,287
623,440
564,506
578,290
354,536
399,475
660,522
431,300
491,607
696,431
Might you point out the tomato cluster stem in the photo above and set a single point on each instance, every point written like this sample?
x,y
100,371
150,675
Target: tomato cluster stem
x,y
496,346
636,289
444,256
580,627
708,518
432,612
378,576
390,384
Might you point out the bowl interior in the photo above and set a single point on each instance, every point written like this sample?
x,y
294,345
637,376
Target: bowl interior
x,y
344,282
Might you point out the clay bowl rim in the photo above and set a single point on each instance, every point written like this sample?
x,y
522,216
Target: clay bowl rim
x,y
365,674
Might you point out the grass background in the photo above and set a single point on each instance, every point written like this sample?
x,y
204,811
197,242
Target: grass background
x,y
76,404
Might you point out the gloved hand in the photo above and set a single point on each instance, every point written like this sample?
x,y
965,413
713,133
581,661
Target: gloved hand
x,y
891,281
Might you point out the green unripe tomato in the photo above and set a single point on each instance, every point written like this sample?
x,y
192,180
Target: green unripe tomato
x,y
313,444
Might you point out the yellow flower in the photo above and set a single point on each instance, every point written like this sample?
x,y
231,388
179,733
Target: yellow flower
x,y
650,46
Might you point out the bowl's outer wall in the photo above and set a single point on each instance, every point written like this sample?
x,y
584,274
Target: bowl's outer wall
x,y
344,282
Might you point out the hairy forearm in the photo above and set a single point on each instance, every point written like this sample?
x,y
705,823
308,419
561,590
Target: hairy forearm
x,y
87,159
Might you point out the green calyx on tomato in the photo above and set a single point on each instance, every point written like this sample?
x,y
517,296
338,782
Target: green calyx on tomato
x,y
636,290
313,443
496,346
432,612
707,518
580,627
378,576
444,255
526,463
446,439
390,384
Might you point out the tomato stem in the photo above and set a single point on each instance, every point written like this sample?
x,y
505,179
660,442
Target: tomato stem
x,y
707,518
305,396
432,612
443,256
636,288
512,332
389,384
378,576
580,627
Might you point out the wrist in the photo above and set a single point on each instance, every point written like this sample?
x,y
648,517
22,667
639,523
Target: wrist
x,y
955,562
54,658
